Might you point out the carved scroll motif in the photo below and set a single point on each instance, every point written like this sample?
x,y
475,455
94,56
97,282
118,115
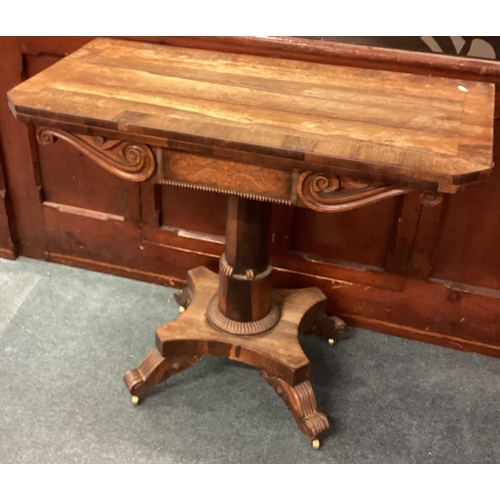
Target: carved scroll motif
x,y
334,193
301,402
430,198
154,370
132,162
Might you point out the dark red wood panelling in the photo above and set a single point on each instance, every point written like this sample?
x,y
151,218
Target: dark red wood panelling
x,y
362,235
470,237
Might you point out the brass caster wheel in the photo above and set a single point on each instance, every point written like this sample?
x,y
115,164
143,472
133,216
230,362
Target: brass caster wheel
x,y
315,444
331,341
135,400
181,309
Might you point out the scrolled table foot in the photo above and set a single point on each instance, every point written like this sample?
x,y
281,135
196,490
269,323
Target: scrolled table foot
x,y
331,327
301,402
184,297
153,370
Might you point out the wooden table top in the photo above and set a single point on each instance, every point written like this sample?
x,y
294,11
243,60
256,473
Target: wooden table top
x,y
427,128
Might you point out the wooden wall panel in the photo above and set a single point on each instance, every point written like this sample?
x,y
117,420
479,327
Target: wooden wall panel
x,y
116,247
24,185
468,250
429,312
70,178
35,64
360,236
8,249
193,211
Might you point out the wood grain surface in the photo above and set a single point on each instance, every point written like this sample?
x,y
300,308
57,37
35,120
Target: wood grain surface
x,y
427,128
277,351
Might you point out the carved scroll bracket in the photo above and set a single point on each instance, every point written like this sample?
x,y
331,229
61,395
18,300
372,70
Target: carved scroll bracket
x,y
301,402
430,198
335,193
129,161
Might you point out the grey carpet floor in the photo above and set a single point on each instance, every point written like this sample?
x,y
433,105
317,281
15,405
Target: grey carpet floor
x,y
67,336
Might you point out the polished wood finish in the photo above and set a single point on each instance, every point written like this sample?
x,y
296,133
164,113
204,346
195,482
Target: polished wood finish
x,y
154,370
129,161
277,353
430,129
245,269
352,256
17,153
300,49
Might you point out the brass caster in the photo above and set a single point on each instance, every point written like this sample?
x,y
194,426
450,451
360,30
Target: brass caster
x,y
181,309
135,400
331,341
315,444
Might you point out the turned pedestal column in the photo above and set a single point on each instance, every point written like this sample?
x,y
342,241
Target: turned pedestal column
x,y
243,305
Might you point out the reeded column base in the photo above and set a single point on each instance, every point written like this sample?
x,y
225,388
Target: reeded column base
x,y
218,320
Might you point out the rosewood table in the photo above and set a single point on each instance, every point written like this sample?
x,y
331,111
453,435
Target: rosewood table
x,y
263,130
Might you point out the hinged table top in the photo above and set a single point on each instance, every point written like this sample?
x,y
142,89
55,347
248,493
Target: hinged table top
x,y
426,128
